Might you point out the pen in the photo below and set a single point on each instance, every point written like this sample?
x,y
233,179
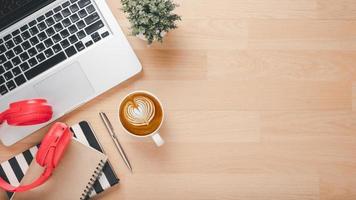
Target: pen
x,y
113,135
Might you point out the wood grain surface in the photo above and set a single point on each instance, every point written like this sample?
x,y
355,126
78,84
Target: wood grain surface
x,y
260,100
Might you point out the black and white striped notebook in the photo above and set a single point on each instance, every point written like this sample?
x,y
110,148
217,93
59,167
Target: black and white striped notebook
x,y
14,169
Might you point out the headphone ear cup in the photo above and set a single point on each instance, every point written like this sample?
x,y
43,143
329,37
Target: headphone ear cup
x,y
29,112
30,119
44,148
53,145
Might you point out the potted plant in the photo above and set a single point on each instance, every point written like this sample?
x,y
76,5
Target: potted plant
x,y
151,20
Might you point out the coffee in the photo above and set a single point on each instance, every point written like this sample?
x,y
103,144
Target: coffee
x,y
141,113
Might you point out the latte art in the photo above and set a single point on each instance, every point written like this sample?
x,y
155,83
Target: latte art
x,y
140,111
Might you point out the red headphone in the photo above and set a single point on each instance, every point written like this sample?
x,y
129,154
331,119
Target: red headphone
x,y
53,145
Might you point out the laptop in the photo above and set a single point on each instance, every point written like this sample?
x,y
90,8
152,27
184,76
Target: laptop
x,y
66,51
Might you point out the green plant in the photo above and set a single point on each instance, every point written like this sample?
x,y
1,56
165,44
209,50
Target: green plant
x,y
151,18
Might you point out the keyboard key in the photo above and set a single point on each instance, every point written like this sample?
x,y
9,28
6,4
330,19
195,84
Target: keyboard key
x,y
16,61
90,9
24,66
42,36
16,71
56,38
8,65
2,59
74,8
2,49
34,30
2,70
72,29
65,4
41,57
16,32
83,3
80,24
25,35
73,39
8,75
7,37
81,34
18,39
42,26
89,43
25,45
74,18
80,46
24,27
9,54
50,31
66,12
57,48
82,13
32,23
48,42
40,47
57,9
9,44
3,90
71,51
32,52
40,18
50,21
105,34
34,40
58,17
49,13
1,41
24,56
32,62
64,33
20,80
18,50
94,27
96,37
58,27
91,18
66,22
11,85
48,53
65,43
2,80
44,66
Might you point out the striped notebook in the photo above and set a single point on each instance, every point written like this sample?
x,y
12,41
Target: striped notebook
x,y
14,169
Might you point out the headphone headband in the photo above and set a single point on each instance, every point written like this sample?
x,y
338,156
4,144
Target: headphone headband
x,y
40,180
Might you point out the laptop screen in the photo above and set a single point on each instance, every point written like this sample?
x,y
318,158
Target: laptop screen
x,y
12,11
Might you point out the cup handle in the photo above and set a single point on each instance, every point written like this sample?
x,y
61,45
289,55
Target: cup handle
x,y
158,139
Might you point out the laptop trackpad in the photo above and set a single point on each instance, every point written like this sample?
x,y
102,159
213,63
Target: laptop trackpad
x,y
65,89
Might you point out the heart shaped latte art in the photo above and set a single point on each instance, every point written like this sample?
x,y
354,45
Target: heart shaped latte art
x,y
140,111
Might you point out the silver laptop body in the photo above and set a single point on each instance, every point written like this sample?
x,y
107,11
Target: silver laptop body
x,y
67,52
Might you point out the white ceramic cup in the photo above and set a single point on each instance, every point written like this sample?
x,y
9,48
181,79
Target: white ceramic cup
x,y
155,134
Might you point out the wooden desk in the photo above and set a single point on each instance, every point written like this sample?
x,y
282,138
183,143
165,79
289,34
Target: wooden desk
x,y
260,98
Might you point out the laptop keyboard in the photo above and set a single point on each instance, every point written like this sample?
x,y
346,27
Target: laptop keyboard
x,y
50,39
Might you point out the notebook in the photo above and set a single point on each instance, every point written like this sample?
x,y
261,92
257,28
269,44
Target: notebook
x,y
73,178
14,169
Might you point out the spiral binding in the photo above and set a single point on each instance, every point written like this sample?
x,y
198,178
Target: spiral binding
x,y
97,173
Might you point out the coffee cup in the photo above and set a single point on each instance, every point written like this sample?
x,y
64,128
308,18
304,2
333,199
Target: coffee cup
x,y
141,115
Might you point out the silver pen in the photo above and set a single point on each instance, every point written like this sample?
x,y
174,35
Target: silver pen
x,y
113,135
